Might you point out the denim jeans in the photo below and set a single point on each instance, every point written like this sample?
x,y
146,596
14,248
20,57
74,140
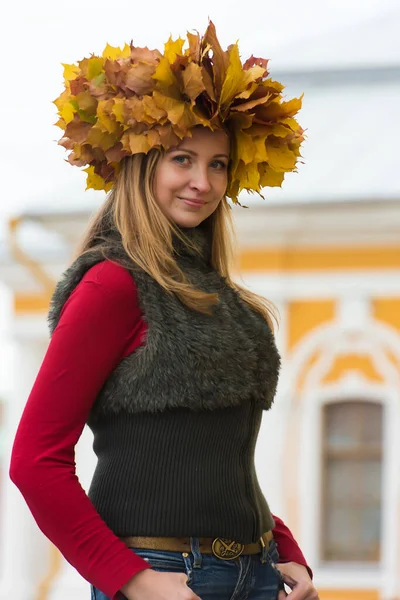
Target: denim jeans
x,y
252,577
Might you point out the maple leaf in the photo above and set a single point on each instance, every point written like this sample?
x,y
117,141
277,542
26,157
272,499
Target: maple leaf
x,y
113,53
116,153
193,81
168,137
145,55
172,48
106,117
98,138
194,49
70,71
85,102
252,61
77,130
280,157
269,177
139,78
118,109
94,181
245,147
164,76
245,106
179,113
220,59
248,176
95,66
67,113
136,143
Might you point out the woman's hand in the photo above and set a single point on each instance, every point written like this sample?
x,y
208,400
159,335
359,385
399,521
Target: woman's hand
x,y
152,585
297,578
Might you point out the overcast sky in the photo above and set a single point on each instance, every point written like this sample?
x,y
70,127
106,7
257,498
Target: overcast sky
x,y
36,36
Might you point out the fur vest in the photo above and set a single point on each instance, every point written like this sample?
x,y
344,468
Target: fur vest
x,y
189,359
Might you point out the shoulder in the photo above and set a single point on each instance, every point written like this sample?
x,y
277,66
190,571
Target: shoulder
x,y
107,284
111,278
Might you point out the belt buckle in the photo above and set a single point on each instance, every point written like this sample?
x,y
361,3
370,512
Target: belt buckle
x,y
226,549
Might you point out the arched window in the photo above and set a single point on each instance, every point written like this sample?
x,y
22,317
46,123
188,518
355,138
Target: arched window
x,y
352,481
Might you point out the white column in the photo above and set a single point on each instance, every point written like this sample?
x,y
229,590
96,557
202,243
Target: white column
x,y
24,548
68,583
26,552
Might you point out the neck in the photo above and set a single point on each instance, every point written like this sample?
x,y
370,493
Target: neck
x,y
194,242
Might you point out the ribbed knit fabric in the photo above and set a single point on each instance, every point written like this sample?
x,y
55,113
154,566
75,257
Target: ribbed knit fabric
x,y
180,473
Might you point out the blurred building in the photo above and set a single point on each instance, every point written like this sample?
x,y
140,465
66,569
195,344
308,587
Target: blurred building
x,y
326,251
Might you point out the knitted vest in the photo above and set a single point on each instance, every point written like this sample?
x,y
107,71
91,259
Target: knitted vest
x,y
175,425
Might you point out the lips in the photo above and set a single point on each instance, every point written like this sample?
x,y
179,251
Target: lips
x,y
194,200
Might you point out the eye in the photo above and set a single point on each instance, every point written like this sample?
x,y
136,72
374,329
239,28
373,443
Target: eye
x,y
219,165
181,159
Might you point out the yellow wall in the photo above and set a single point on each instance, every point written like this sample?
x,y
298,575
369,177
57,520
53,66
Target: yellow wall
x,y
303,316
348,594
321,258
31,303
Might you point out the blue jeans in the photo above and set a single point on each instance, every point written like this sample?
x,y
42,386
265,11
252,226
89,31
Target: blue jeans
x,y
253,577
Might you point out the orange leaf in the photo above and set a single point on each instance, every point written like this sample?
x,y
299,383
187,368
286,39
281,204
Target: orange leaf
x,y
194,46
220,59
193,81
139,78
138,143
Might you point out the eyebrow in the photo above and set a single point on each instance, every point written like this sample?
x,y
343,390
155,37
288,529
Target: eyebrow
x,y
194,153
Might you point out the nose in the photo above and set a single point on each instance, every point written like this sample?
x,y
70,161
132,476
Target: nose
x,y
200,180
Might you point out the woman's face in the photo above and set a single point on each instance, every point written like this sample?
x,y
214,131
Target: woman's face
x,y
191,178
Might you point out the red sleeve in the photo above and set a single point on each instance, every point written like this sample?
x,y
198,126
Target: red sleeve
x,y
288,548
99,321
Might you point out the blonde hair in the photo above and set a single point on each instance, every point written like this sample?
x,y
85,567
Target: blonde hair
x,y
131,210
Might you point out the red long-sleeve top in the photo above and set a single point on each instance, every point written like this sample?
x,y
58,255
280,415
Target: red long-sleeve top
x,y
100,324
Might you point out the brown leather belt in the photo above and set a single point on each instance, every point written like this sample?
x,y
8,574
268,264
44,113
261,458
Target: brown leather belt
x,y
221,547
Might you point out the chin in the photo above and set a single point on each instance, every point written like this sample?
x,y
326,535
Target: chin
x,y
188,220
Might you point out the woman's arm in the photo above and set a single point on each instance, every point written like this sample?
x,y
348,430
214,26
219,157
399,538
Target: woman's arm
x,y
99,321
288,548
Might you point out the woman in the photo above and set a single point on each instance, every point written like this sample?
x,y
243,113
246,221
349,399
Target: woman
x,y
168,361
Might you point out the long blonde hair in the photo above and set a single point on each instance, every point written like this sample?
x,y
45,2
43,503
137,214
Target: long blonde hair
x,y
131,210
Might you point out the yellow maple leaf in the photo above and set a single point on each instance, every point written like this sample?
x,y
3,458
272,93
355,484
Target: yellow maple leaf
x,y
269,177
172,48
244,147
280,158
248,176
70,71
63,99
104,109
67,113
151,110
179,113
260,154
113,53
233,82
138,142
290,122
118,109
95,66
94,181
164,74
